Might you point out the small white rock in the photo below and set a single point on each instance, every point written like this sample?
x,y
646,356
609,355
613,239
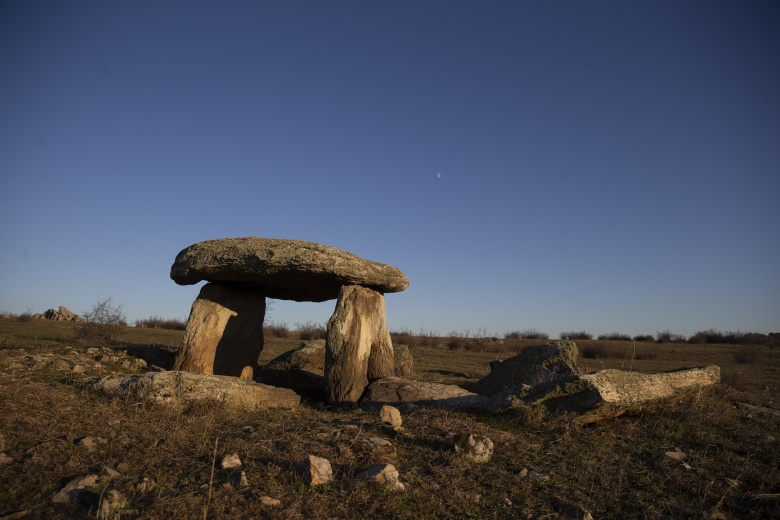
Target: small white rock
x,y
270,502
230,461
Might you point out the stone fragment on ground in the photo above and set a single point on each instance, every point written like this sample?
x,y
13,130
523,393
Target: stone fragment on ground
x,y
397,391
607,393
390,416
476,448
269,501
315,470
383,474
178,388
75,489
231,461
532,366
283,269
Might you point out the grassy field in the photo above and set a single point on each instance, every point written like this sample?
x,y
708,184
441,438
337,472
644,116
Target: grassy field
x,y
614,469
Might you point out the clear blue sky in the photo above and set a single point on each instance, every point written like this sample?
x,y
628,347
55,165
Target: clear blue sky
x,y
558,165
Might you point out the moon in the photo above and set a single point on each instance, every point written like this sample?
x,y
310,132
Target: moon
x,y
438,175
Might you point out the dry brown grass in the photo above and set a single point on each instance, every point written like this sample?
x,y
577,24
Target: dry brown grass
x,y
615,469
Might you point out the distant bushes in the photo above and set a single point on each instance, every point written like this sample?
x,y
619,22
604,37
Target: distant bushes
x,y
644,337
667,336
526,334
101,323
157,322
309,331
571,335
615,336
276,329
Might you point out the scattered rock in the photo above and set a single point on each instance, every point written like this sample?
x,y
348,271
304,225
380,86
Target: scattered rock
x,y
759,410
224,332
394,390
177,388
383,474
375,447
677,454
532,366
316,470
391,416
476,448
307,356
538,475
283,269
73,490
607,393
5,459
270,502
62,315
90,443
230,461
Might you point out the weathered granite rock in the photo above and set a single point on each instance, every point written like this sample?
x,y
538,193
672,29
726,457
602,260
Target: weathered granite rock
x,y
476,448
224,332
383,474
532,366
404,363
359,347
308,356
391,416
283,269
62,315
178,388
393,390
315,470
607,393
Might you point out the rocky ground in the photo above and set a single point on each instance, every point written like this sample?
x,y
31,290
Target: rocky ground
x,y
68,452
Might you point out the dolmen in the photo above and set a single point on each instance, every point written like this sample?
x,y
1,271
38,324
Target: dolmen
x,y
224,333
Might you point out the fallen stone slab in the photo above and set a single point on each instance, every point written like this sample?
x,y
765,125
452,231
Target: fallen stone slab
x,y
283,269
178,388
607,393
394,390
532,366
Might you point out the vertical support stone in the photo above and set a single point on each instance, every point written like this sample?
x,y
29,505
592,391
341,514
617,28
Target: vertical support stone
x,y
224,332
358,347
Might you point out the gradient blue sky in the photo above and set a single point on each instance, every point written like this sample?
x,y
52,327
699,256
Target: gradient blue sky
x,y
558,165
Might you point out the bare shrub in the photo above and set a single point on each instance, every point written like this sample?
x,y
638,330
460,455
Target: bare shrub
x,y
572,335
614,336
309,331
276,329
667,336
101,323
526,334
157,322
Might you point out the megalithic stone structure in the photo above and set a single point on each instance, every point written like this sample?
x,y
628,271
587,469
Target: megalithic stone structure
x,y
224,331
358,348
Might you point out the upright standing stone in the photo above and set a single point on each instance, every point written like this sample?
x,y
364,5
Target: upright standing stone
x,y
224,332
358,347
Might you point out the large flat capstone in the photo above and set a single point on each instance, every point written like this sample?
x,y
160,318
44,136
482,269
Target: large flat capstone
x,y
283,269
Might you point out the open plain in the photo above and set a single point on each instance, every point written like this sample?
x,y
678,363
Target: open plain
x,y
708,454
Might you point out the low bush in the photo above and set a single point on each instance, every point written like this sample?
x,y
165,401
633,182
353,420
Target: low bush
x,y
572,335
310,331
669,337
101,323
526,334
643,337
157,322
274,329
615,336
745,356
